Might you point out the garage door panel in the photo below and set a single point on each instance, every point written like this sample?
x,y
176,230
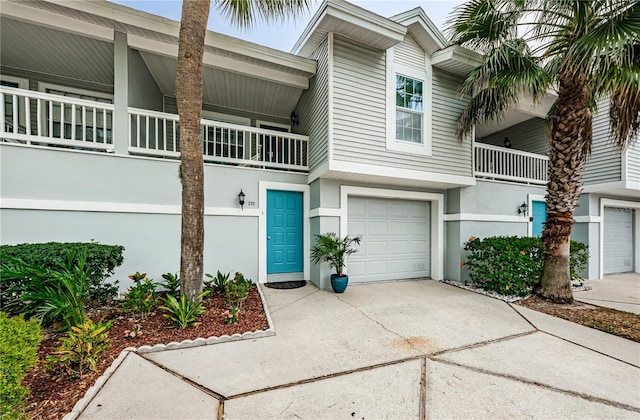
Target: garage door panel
x,y
618,240
395,239
377,227
399,228
376,248
399,210
377,208
399,247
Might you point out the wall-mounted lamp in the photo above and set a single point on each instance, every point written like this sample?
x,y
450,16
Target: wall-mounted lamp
x,y
522,209
507,143
241,199
294,118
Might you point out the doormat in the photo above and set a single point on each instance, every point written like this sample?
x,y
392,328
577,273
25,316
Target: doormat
x,y
286,284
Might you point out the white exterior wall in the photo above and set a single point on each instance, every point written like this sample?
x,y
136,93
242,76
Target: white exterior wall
x,y
62,195
313,109
605,164
360,108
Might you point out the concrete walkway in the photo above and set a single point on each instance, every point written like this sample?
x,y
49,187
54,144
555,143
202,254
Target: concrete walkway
x,y
617,291
404,350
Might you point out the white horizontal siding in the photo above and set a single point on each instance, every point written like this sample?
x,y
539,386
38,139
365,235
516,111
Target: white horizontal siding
x,y
409,54
528,136
633,162
313,109
605,164
359,112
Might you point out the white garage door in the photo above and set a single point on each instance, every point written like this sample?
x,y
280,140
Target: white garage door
x,y
395,239
618,240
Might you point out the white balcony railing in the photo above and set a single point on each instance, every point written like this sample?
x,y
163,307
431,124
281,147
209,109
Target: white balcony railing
x,y
500,163
158,134
31,117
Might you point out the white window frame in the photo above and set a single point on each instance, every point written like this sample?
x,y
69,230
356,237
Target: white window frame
x,y
21,81
228,118
273,124
394,69
42,87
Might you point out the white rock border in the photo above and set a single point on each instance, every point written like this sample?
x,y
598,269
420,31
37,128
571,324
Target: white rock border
x,y
174,345
506,298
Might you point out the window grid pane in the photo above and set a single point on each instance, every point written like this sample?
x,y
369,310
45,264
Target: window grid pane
x,y
409,109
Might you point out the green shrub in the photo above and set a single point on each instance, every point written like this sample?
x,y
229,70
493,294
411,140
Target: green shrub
x,y
512,265
183,312
19,340
81,348
171,283
236,292
101,262
141,298
218,283
51,295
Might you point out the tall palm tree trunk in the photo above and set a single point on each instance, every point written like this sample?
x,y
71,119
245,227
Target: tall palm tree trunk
x,y
195,14
570,145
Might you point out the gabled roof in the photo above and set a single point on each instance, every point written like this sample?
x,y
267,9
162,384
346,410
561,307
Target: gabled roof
x,y
351,21
423,30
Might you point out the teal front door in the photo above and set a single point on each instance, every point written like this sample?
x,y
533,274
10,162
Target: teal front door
x,y
284,232
539,216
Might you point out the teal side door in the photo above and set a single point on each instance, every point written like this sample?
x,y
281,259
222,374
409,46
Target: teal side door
x,y
539,215
284,232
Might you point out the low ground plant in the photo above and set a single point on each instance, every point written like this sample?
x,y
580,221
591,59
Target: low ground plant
x,y
19,340
512,265
141,298
101,261
217,283
171,283
54,296
81,349
236,292
183,312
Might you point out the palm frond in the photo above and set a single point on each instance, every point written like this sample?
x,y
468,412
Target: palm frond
x,y
482,25
245,13
505,75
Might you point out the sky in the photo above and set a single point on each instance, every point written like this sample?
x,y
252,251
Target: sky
x,y
283,35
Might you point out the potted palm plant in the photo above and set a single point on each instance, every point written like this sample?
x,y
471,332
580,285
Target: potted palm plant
x,y
330,248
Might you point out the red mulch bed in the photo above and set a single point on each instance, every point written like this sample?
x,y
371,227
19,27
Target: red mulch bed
x,y
52,396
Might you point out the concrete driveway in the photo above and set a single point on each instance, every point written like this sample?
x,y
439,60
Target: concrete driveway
x,y
403,350
617,291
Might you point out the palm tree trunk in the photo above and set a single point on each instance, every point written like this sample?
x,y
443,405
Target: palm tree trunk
x,y
570,145
195,14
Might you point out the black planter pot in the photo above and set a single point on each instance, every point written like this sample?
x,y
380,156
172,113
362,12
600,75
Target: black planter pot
x,y
339,284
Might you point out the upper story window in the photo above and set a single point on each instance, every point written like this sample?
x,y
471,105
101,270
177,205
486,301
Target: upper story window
x,y
409,110
408,105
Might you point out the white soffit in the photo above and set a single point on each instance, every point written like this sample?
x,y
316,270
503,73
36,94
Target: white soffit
x,y
350,21
100,18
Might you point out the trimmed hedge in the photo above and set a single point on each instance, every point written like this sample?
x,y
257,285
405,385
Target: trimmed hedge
x,y
512,265
101,263
19,340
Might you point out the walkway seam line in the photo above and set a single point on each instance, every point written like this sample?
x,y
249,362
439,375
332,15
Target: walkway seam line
x,y
191,382
423,389
589,348
421,356
522,316
540,384
295,301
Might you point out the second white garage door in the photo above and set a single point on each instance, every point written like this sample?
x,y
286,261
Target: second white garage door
x,y
395,239
618,240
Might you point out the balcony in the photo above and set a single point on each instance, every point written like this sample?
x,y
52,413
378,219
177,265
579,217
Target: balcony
x,y
36,118
499,163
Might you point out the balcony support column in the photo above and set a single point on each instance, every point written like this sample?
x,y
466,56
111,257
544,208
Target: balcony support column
x,y
120,93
